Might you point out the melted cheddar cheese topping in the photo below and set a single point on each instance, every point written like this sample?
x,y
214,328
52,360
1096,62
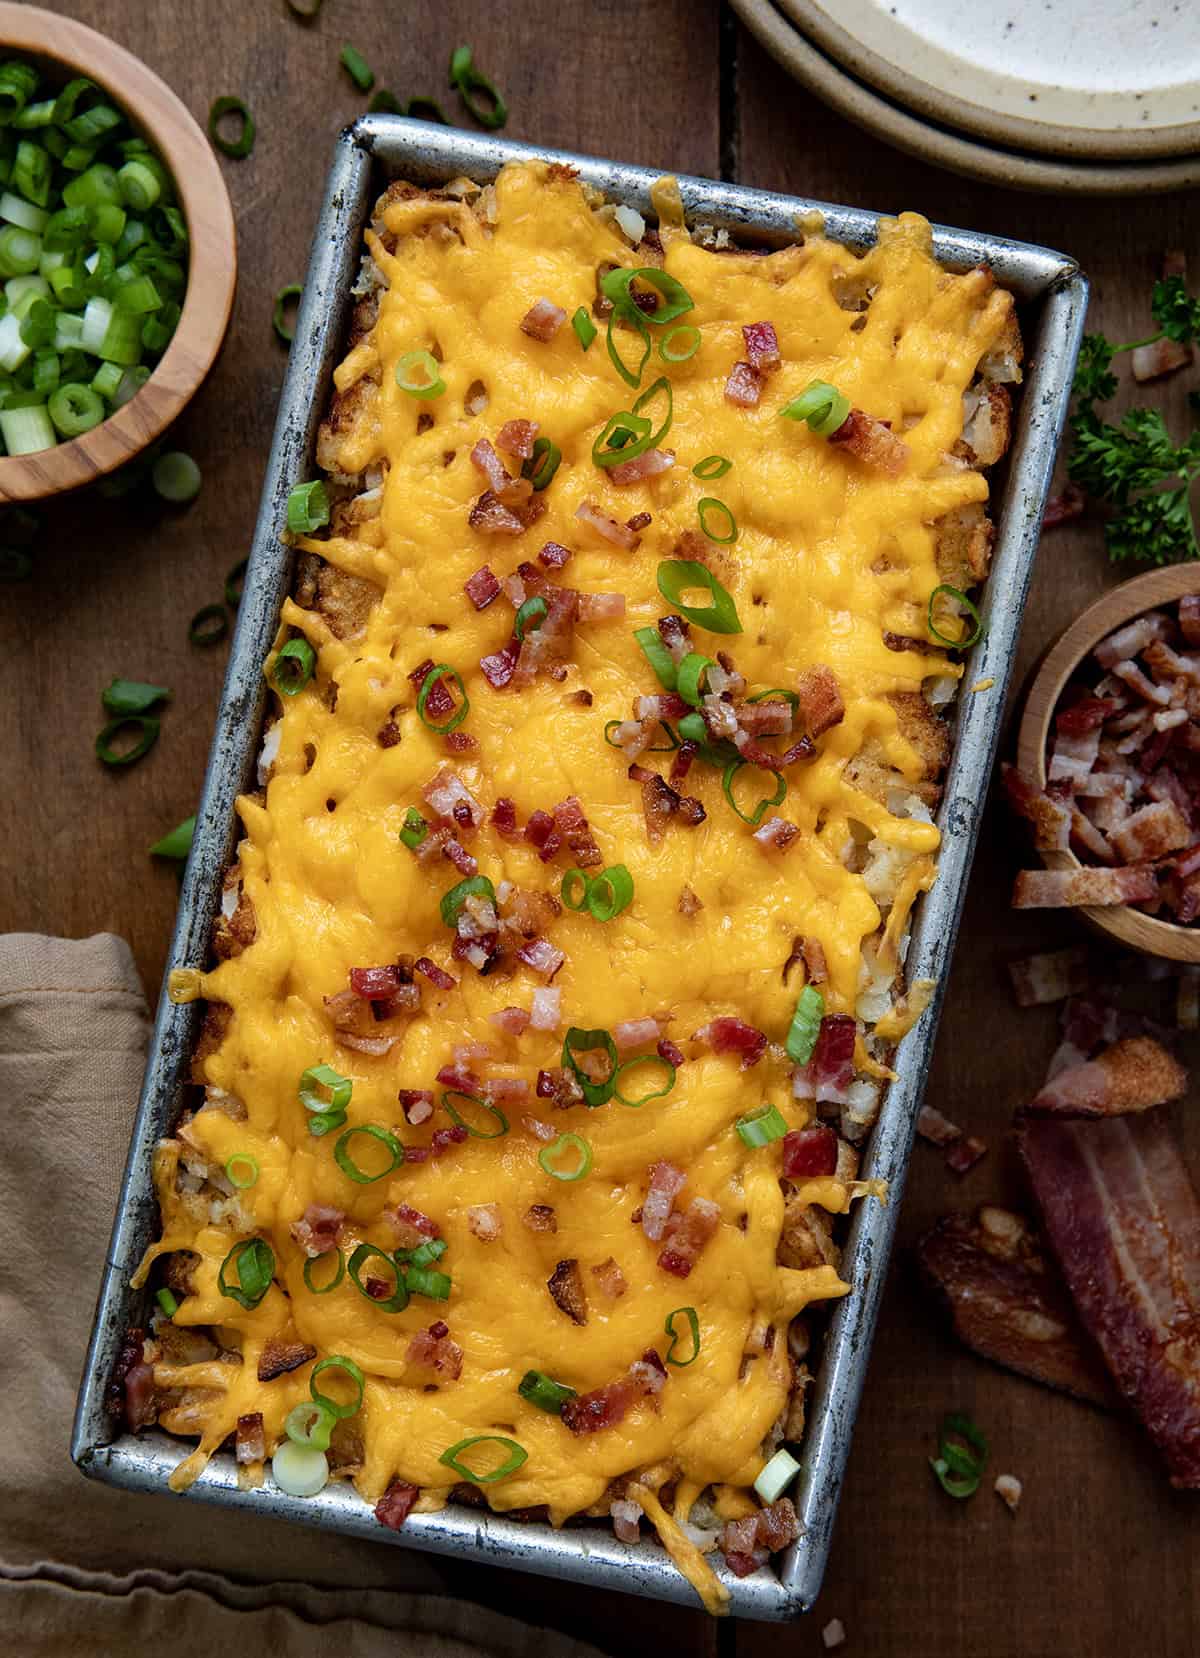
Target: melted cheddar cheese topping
x,y
829,555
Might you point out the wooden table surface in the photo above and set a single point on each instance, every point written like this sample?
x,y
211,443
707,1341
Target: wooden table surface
x,y
1102,1554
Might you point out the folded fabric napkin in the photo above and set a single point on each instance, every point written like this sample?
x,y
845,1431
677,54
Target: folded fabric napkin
x,y
88,1569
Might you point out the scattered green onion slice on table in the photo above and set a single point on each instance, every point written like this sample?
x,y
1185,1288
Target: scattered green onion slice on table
x,y
426,109
398,1299
234,582
456,1116
653,648
236,148
307,507
146,724
443,670
242,1170
177,843
304,8
310,1424
324,1076
167,1302
755,817
208,626
468,80
572,1147
283,299
760,1126
293,667
578,1041
679,344
475,886
517,1455
419,374
531,614
373,1131
585,328
823,407
694,1329
677,576
338,1361
357,67
715,516
775,1476
958,598
544,1392
806,1025
254,1263
176,477
330,1283
543,463
711,468
131,696
963,1449
385,102
628,1065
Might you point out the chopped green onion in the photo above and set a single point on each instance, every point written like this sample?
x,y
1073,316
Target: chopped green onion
x,y
16,211
657,655
680,343
517,1455
954,1484
468,80
425,1254
208,626
532,612
31,170
606,894
544,1392
167,1302
242,1170
385,102
91,129
575,899
668,747
616,286
331,1283
178,842
310,1424
625,436
760,1126
285,297
373,1131
234,583
710,508
755,817
140,184
457,1117
543,463
130,696
632,377
806,1025
307,507
414,830
821,405
398,1299
18,83
959,598
677,576
775,1476
567,1144
585,328
590,1041
357,67
293,667
176,477
661,385
435,1285
655,1093
426,109
443,670
962,1445
453,901
237,148
338,1361
107,379
299,1470
35,115
324,1076
146,725
694,1327
254,1262
26,431
419,375
690,676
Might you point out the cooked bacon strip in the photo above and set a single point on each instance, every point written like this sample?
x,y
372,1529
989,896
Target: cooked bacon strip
x,y
1152,832
1087,714
1037,889
1049,976
554,555
762,346
543,320
666,1183
1061,509
434,1350
481,588
516,437
749,1542
1123,1220
1131,1075
130,1391
1050,819
566,1291
619,534
1127,641
744,386
249,1444
1073,756
810,1153
962,1155
280,1356
410,1225
651,464
687,1234
821,704
727,1035
1189,618
938,1130
396,1504
1158,359
318,1229
490,516
540,1217
1008,1304
873,442
610,1280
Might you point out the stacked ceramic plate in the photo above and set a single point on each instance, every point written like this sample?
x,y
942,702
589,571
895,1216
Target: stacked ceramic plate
x,y
1089,97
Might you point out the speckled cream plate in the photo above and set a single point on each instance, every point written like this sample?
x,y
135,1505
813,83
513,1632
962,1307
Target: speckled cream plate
x,y
972,156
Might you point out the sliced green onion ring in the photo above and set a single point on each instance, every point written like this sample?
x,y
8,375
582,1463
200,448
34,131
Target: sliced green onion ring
x,y
468,80
357,67
531,614
426,109
394,1303
823,406
238,148
585,328
307,507
385,102
637,322
806,1025
575,885
650,641
711,468
677,576
419,374
956,1427
331,1283
146,724
338,1361
373,1131
254,1262
177,843
628,1065
283,299
517,1456
625,436
544,1392
678,344
208,626
475,886
609,893
694,1328
242,1170
234,582
543,463
176,477
755,817
456,1116
954,1484
572,1146
293,667
578,1041
324,1076
167,1302
790,697
762,1125
775,1476
690,676
959,598
443,670
708,509
131,696
616,284
310,1425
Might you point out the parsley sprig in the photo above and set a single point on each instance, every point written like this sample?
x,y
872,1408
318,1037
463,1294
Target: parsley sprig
x,y
1135,466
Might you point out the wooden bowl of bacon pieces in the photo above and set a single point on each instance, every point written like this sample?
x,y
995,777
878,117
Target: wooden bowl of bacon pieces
x,y
1108,767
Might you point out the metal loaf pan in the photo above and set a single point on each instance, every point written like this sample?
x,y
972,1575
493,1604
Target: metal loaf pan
x,y
1052,294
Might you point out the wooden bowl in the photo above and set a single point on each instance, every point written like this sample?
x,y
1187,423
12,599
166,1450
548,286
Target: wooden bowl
x,y
1159,587
65,49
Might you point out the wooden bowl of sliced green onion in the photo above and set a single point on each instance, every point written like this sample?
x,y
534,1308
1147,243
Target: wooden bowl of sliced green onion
x,y
118,257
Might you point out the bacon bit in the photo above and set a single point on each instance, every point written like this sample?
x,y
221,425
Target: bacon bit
x,y
834,1634
485,459
1127,641
688,903
554,555
832,1064
434,1350
504,819
1131,1075
1050,819
727,1035
417,1104
603,1408
372,983
744,386
687,1236
618,534
777,832
650,464
1087,714
543,320
388,735
574,828
460,1077
543,958
814,960
462,860
935,1128
764,719
872,442
249,1444
450,798
540,1217
681,762
962,1155
626,1517
599,607
666,1049
490,516
484,1221
396,1504
666,1183
635,1033
481,588
318,1229
559,1085
1158,359
516,437
546,1009
566,1291
410,1225
437,976
1048,977
762,346
650,1374
279,1356
1061,509
1152,832
1189,618
1123,1219
610,1280
820,695
747,1543
1054,888
499,667
810,1153
639,521
795,957
508,1089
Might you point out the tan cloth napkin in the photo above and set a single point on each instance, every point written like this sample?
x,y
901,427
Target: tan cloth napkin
x,y
88,1569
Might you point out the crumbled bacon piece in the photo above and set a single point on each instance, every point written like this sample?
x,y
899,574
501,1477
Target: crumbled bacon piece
x,y
747,1543
610,1280
650,464
542,956
249,1443
130,1391
1050,819
1061,509
411,1226
872,442
280,1356
437,976
559,1085
1052,888
481,588
484,1222
543,320
499,666
778,832
433,1349
635,1033
1049,977
810,1153
1158,359
744,386
618,534
762,346
540,1217
626,1520
687,1234
396,1504
820,699
666,1049
490,516
603,1408
728,1035
516,437
666,1183
417,1104
566,1291
963,1154
318,1229
554,555
574,828
1009,1489
1132,1075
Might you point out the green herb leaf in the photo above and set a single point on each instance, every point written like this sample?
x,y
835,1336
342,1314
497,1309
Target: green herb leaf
x,y
1175,312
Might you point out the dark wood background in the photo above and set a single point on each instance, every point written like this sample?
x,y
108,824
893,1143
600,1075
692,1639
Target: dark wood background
x,y
1102,1556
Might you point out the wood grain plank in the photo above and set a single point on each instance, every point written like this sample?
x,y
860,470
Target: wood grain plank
x,y
1085,1564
